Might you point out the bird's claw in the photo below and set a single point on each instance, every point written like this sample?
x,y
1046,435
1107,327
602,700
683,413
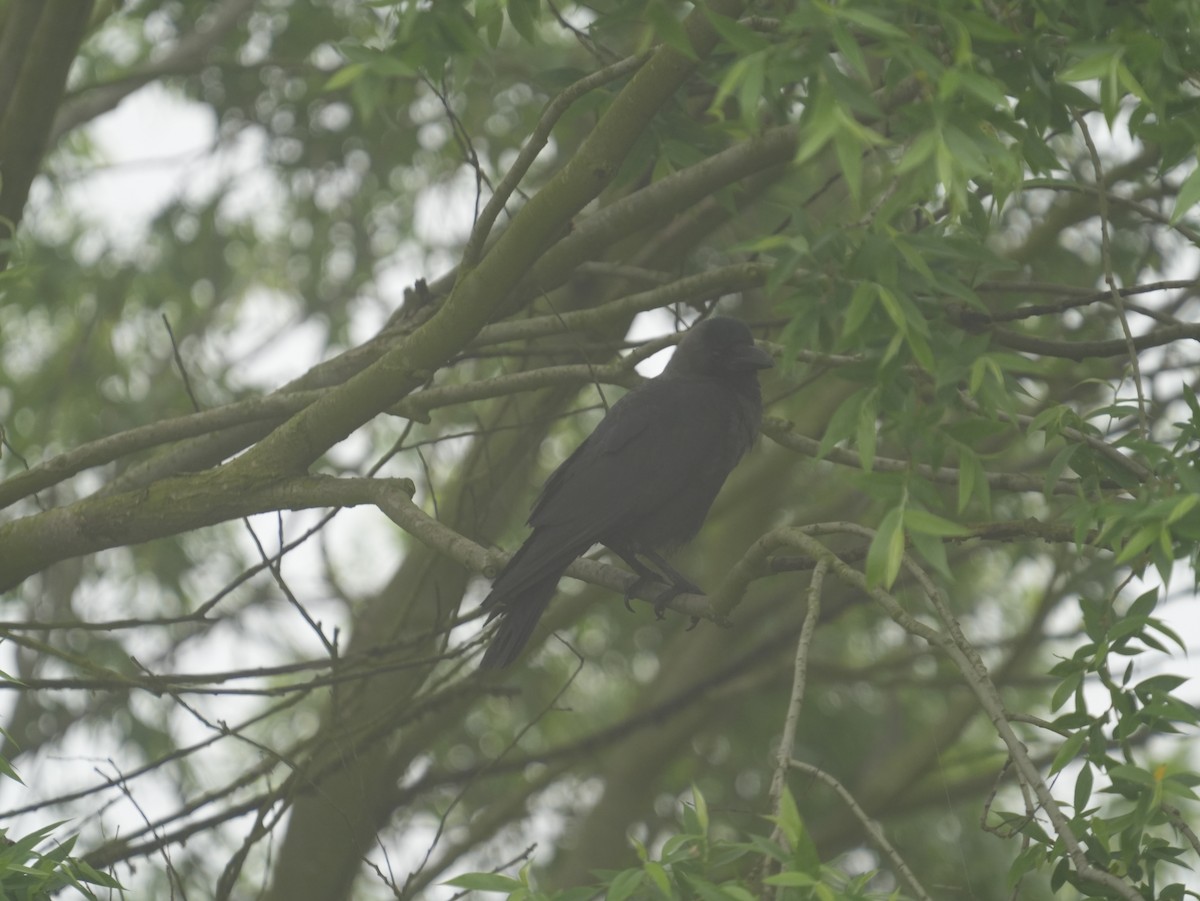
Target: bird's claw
x,y
661,602
631,591
695,621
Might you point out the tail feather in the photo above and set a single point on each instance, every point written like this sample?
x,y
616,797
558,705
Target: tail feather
x,y
521,594
517,622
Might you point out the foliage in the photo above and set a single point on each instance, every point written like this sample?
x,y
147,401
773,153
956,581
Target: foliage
x,y
258,443
694,865
27,874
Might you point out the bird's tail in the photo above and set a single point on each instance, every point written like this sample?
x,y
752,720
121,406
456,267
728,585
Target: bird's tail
x,y
517,622
521,594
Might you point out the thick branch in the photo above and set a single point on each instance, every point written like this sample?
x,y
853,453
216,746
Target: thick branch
x,y
1086,350
274,408
538,139
26,119
166,508
294,446
186,56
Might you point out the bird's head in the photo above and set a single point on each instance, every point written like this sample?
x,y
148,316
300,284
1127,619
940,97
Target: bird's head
x,y
719,346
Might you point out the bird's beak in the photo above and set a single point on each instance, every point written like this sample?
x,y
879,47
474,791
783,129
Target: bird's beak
x,y
750,356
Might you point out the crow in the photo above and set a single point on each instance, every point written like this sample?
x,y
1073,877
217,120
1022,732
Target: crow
x,y
642,482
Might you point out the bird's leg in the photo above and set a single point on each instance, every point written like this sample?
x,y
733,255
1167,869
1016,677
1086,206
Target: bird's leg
x,y
676,582
643,572
680,584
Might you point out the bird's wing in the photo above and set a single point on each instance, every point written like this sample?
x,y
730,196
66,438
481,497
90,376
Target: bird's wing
x,y
653,444
658,457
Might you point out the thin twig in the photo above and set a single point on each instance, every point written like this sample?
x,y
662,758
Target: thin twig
x,y
187,382
538,138
874,830
1176,818
975,673
787,741
1109,278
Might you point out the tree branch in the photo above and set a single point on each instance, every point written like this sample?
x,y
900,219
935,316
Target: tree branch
x,y
169,507
188,55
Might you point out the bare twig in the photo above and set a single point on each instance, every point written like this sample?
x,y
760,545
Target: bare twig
x,y
873,829
473,252
787,740
962,653
1109,277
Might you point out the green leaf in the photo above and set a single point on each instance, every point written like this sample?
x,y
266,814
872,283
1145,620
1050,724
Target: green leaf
x,y
639,849
1182,507
1065,689
1144,604
849,150
1188,196
1058,878
791,878
624,885
933,550
742,70
984,88
866,431
859,308
868,22
849,47
1068,752
1131,84
523,15
968,469
919,150
751,89
737,893
920,349
344,76
658,876
1133,774
1056,468
682,844
818,126
738,36
965,151
1166,630
490,16
1142,539
1083,789
788,820
886,553
918,520
1098,65
701,809
669,29
843,423
485,882
1161,683
705,890
892,305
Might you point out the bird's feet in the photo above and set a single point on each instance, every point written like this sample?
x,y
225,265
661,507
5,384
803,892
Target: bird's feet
x,y
661,602
632,590
671,590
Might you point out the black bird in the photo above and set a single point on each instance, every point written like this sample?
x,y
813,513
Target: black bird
x,y
642,482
